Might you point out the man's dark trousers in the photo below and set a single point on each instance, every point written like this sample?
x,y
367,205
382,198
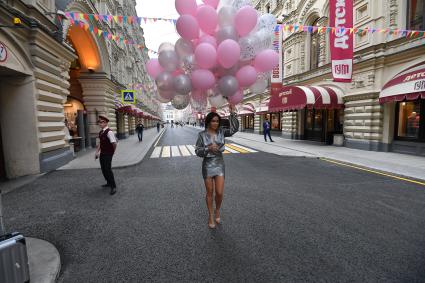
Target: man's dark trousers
x,y
267,133
140,135
106,166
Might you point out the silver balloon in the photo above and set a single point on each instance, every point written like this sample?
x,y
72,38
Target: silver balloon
x,y
226,16
228,85
164,81
259,86
237,4
165,46
228,32
162,99
217,101
248,46
221,71
184,47
188,64
182,84
180,101
265,40
267,22
168,59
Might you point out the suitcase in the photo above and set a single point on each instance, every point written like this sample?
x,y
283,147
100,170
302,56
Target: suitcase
x,y
14,265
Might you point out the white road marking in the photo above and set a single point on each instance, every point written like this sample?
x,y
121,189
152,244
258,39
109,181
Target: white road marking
x,y
166,151
156,152
175,151
243,147
191,148
184,150
231,150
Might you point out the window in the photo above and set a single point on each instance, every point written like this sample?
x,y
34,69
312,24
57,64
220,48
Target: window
x,y
314,48
409,125
415,14
361,12
248,121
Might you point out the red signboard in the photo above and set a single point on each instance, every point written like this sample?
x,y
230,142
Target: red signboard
x,y
341,39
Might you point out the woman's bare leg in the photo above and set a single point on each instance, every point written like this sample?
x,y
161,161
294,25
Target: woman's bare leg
x,y
209,186
219,190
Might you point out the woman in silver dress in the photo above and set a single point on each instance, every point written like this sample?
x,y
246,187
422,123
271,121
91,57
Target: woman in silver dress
x,y
210,146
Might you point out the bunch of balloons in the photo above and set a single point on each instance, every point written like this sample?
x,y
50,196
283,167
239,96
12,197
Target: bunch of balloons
x,y
225,47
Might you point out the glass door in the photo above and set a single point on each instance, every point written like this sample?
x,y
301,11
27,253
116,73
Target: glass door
x,y
314,124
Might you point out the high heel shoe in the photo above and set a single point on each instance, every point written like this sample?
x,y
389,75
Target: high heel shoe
x,y
211,226
218,220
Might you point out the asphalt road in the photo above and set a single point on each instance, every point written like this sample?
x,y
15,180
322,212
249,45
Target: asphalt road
x,y
284,219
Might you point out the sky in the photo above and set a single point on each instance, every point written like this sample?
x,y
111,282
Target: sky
x,y
160,31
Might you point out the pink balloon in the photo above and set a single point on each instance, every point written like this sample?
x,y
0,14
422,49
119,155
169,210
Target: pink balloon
x,y
154,68
245,20
266,60
206,55
202,79
207,18
246,76
187,26
212,3
177,72
206,38
236,98
186,7
228,53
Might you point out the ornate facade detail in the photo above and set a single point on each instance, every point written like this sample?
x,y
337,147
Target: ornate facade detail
x,y
393,13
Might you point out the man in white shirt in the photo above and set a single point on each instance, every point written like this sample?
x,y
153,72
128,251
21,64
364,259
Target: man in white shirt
x,y
105,150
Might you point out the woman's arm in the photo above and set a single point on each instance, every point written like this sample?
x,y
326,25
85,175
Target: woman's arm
x,y
200,149
234,125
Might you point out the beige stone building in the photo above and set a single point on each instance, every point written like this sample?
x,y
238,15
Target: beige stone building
x,y
396,123
53,73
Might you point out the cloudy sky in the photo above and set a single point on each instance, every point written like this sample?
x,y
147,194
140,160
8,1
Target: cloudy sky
x,y
160,31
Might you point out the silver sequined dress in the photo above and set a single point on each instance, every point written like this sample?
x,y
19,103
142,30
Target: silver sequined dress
x,y
213,163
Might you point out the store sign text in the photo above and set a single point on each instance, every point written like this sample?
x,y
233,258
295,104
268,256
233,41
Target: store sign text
x,y
420,85
3,52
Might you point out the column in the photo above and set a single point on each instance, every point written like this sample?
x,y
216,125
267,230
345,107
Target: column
x,y
257,124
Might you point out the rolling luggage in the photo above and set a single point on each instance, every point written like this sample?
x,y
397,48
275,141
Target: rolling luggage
x,y
14,266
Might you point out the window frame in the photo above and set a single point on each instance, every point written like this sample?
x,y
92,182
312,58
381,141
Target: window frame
x,y
421,133
408,21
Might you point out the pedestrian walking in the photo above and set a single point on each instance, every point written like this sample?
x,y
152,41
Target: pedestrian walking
x,y
266,130
158,125
105,151
210,146
139,130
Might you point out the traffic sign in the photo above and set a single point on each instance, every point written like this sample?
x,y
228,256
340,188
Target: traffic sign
x,y
128,96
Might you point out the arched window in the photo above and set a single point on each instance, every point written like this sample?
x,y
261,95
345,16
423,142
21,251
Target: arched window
x,y
314,47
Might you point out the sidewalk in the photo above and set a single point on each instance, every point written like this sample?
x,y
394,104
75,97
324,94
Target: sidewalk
x,y
129,152
395,163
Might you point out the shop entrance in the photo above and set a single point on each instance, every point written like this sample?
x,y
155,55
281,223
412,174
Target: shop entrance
x,y
321,125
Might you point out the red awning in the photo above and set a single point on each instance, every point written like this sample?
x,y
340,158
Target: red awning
x,y
298,97
247,109
125,109
409,85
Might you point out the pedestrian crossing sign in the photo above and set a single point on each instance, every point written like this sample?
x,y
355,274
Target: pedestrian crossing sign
x,y
128,96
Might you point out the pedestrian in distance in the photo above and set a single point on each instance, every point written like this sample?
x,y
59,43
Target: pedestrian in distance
x,y
266,130
210,146
139,130
105,151
158,125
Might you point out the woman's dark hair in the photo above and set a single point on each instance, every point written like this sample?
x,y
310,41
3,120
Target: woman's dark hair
x,y
209,117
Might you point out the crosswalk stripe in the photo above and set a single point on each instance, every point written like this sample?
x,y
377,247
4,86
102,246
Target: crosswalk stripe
x,y
191,148
156,152
231,150
166,151
243,147
241,150
226,152
175,151
184,150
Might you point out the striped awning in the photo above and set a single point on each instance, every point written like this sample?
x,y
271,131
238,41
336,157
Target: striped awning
x,y
298,97
247,109
409,85
264,106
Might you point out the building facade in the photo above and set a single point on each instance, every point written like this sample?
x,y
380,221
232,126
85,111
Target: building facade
x,y
57,77
356,110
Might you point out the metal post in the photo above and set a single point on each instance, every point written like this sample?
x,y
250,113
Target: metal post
x,y
2,229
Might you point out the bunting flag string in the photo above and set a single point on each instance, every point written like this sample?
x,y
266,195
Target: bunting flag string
x,y
118,19
107,35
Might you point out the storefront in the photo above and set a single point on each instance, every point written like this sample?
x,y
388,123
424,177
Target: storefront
x,y
246,114
275,120
76,122
319,111
407,91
